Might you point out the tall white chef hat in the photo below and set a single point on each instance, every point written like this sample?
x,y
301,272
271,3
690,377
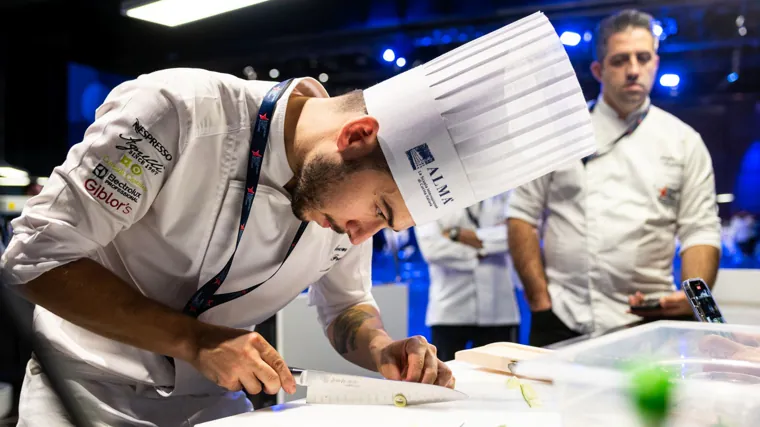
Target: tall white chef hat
x,y
489,116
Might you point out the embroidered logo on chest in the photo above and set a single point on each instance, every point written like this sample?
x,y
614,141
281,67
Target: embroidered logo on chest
x,y
337,254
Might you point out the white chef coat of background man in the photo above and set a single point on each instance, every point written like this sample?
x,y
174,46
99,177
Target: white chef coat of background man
x,y
472,295
611,223
128,250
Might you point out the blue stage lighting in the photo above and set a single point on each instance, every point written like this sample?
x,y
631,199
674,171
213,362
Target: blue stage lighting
x,y
570,38
389,55
732,77
670,80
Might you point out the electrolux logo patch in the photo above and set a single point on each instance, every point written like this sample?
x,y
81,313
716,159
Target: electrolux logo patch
x,y
420,156
100,171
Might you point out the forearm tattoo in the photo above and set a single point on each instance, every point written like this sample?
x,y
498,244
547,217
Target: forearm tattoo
x,y
346,327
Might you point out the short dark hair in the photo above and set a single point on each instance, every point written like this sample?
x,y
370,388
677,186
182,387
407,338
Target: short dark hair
x,y
619,22
353,101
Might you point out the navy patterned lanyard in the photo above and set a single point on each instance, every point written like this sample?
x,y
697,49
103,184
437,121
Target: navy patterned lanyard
x,y
205,298
628,132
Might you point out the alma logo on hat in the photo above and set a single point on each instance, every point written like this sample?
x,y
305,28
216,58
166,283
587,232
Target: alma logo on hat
x,y
420,156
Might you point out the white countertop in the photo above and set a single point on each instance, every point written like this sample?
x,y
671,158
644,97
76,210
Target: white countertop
x,y
491,404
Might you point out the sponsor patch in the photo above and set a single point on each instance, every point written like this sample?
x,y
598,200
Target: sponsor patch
x,y
108,198
126,172
146,162
150,139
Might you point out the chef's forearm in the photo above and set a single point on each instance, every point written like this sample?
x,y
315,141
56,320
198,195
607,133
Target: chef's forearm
x,y
88,295
700,261
357,334
526,256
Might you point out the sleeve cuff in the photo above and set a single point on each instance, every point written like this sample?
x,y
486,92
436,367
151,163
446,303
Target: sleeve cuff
x,y
516,214
701,239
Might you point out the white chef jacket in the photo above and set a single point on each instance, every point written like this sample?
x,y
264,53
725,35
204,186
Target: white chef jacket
x,y
164,215
611,226
466,290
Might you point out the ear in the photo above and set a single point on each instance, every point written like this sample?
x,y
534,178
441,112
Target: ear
x,y
596,70
358,137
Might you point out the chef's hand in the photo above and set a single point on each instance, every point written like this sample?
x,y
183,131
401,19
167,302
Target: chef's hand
x,y
672,305
237,359
414,360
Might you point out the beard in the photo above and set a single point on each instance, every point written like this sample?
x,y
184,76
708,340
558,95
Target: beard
x,y
320,178
314,184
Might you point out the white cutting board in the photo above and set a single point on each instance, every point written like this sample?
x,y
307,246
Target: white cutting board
x,y
491,403
498,356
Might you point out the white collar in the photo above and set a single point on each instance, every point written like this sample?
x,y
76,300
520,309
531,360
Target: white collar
x,y
277,168
605,109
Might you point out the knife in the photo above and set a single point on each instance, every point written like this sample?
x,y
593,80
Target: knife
x,y
331,388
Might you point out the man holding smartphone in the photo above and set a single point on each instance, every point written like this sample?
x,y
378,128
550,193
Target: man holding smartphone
x,y
612,219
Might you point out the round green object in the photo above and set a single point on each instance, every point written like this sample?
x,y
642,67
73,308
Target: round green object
x,y
652,392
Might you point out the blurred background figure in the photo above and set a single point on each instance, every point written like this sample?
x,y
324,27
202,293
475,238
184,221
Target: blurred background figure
x,y
741,236
472,286
613,219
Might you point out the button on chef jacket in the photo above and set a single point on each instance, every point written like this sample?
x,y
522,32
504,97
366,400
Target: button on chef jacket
x,y
164,217
466,289
611,226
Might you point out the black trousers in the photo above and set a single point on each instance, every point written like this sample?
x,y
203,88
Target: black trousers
x,y
547,329
451,338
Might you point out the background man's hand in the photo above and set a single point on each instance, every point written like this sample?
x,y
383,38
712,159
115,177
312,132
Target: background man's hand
x,y
414,360
467,237
237,359
675,304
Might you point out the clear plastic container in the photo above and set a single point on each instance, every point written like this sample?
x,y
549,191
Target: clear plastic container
x,y
715,371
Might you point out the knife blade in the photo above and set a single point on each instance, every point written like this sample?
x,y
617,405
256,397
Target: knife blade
x,y
332,388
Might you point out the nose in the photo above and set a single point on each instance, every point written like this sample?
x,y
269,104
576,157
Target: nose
x,y
634,69
358,232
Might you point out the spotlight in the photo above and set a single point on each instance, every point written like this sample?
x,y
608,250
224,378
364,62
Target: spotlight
x,y
389,55
274,73
732,77
742,31
657,30
587,36
323,77
670,80
570,38
401,62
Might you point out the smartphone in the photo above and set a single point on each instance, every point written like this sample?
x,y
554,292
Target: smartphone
x,y
702,302
647,305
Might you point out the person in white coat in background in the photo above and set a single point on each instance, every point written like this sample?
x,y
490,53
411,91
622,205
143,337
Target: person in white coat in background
x,y
199,204
611,221
472,282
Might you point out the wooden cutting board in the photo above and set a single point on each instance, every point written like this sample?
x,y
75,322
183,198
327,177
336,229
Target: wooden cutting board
x,y
499,356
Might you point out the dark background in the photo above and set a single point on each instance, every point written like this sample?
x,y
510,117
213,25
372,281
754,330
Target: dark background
x,y
39,39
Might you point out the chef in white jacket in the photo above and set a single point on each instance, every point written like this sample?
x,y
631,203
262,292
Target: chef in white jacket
x,y
472,295
199,204
611,221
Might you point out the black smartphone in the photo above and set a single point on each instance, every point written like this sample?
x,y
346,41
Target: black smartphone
x,y
702,302
647,305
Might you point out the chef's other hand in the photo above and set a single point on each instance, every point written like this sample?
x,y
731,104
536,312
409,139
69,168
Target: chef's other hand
x,y
237,359
672,305
414,360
